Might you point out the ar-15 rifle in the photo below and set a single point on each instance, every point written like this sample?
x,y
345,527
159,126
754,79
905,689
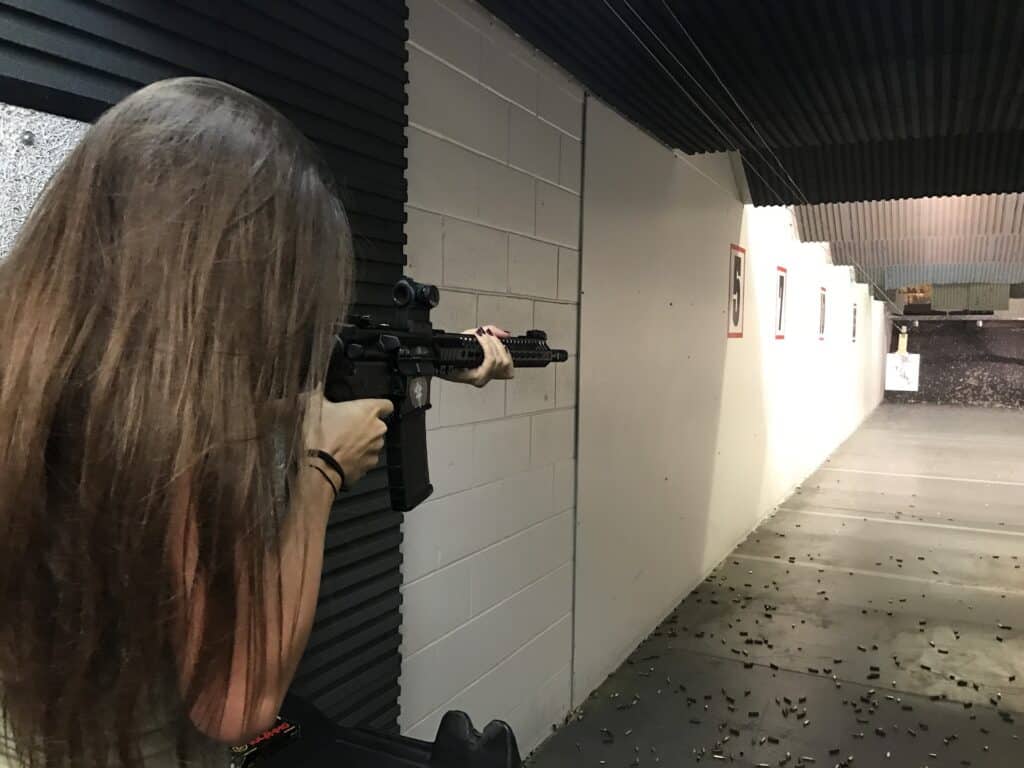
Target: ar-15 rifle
x,y
396,360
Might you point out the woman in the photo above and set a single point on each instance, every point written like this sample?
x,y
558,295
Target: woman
x,y
165,325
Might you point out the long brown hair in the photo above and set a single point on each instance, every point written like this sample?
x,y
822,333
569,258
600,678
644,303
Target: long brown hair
x,y
166,304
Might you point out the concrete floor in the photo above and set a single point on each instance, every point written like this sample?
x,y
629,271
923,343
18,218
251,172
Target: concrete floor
x,y
877,619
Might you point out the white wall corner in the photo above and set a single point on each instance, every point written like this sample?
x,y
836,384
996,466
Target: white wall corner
x,y
739,174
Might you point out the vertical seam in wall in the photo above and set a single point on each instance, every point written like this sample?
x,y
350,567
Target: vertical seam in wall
x,y
536,202
558,173
576,425
508,145
508,263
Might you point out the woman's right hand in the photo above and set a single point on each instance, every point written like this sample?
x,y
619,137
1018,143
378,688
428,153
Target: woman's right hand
x,y
352,432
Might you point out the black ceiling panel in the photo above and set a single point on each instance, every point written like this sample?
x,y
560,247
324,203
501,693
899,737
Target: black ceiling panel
x,y
827,100
885,170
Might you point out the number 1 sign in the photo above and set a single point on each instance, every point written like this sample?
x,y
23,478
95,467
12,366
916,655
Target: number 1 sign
x,y
780,303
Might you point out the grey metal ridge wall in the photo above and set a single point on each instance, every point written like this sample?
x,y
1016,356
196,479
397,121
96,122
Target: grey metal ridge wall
x,y
962,239
932,217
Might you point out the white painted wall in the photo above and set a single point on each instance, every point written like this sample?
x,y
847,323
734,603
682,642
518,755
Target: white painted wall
x,y
787,404
494,178
688,440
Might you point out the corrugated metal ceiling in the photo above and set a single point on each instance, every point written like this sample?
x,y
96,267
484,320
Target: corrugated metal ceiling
x,y
896,265
942,217
967,239
854,100
1004,249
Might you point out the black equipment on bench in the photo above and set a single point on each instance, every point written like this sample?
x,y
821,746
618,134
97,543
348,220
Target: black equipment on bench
x,y
306,738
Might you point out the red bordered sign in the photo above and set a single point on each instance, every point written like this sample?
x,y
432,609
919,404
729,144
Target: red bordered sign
x,y
737,290
822,314
780,302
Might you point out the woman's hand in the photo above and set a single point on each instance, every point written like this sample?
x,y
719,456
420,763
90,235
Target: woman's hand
x,y
497,362
352,432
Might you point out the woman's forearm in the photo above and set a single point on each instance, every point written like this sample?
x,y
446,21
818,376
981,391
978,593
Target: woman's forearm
x,y
294,576
301,563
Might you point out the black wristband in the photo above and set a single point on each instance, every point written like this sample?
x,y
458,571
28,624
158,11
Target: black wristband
x,y
329,481
331,462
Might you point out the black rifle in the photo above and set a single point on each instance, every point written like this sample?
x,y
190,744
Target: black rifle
x,y
396,360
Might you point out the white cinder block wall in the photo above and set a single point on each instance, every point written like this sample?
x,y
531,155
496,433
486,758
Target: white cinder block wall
x,y
493,218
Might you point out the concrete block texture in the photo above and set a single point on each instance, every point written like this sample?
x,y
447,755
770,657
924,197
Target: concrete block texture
x,y
424,254
558,215
532,267
445,101
534,145
500,448
532,389
560,102
446,33
559,320
438,673
475,256
568,274
511,314
570,163
553,437
565,384
462,404
494,160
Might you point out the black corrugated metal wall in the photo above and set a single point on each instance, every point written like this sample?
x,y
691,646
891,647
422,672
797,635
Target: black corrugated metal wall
x,y
337,69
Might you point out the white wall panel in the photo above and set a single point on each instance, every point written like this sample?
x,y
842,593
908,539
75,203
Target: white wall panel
x,y
687,439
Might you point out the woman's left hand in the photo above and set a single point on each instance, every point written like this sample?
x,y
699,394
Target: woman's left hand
x,y
497,362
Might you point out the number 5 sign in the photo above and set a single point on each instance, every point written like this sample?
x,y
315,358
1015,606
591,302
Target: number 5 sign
x,y
737,290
